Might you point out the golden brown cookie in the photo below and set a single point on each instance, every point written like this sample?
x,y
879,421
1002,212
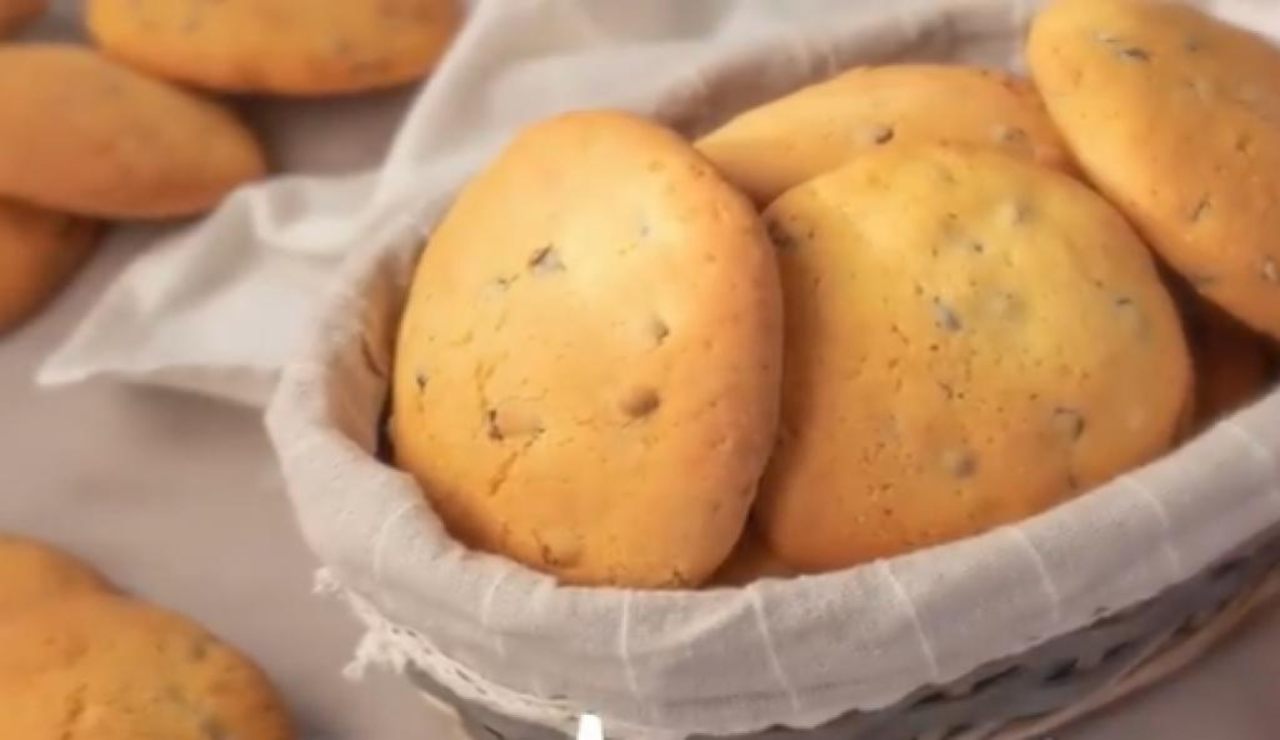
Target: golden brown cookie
x,y
14,14
750,561
1176,118
86,135
295,47
971,339
588,365
40,251
108,668
32,573
816,129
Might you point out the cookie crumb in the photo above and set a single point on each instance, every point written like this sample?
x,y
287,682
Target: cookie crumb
x,y
420,379
1270,271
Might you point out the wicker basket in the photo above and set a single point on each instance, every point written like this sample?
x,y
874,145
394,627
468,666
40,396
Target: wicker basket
x,y
1028,696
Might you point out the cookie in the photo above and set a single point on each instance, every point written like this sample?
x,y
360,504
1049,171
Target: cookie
x,y
293,47
32,573
40,251
781,144
108,668
1176,118
970,339
588,367
750,561
86,135
14,14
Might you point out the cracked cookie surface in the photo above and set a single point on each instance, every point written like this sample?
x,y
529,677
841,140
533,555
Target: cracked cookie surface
x,y
96,667
970,339
1175,116
588,366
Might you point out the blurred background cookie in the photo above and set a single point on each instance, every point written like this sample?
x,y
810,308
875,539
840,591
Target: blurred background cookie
x,y
40,250
83,134
588,366
816,129
1175,116
107,668
294,47
32,572
970,340
14,14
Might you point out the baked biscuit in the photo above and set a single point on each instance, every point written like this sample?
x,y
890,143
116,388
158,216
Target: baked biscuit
x,y
14,14
295,47
31,573
970,339
40,251
588,368
1176,118
86,135
816,129
108,668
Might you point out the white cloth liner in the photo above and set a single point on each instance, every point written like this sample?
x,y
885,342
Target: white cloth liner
x,y
796,652
218,308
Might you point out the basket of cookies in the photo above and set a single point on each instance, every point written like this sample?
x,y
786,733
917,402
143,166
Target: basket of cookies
x,y
892,397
